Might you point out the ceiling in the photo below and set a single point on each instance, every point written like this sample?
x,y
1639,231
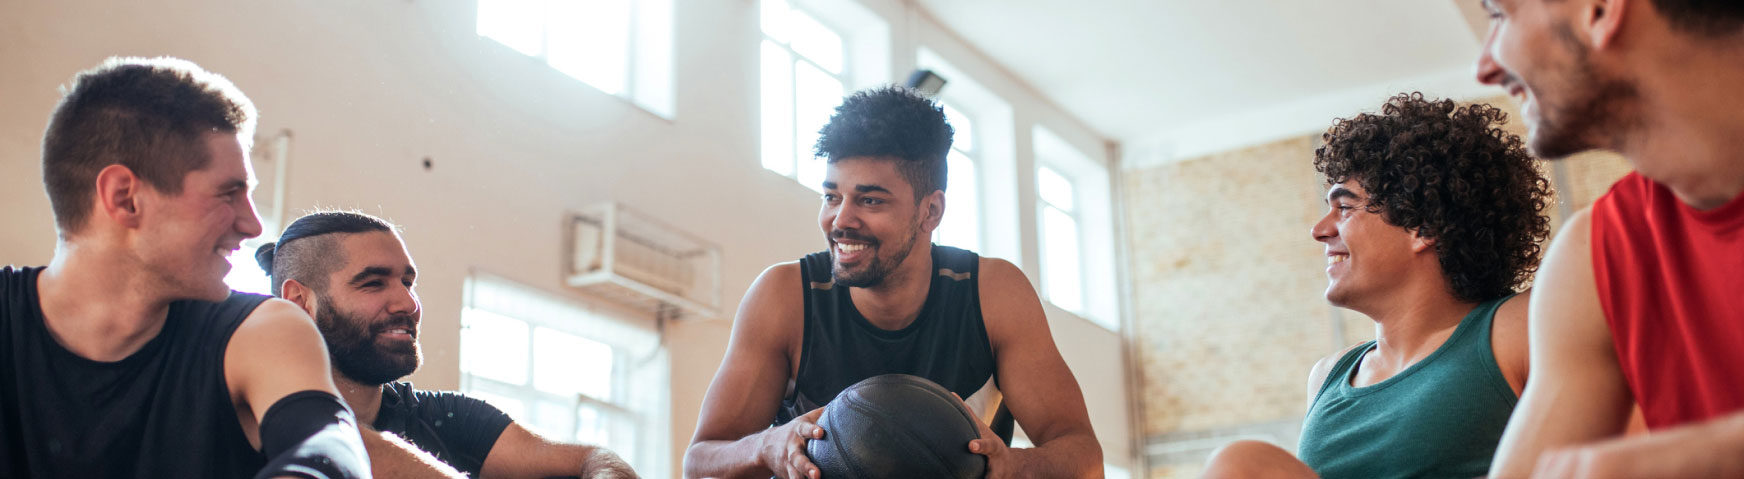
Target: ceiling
x,y
1178,78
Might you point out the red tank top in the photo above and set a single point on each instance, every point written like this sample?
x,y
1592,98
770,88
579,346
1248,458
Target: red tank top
x,y
1671,281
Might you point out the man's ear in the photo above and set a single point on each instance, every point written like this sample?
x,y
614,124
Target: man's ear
x,y
1603,20
1419,243
118,195
297,292
932,209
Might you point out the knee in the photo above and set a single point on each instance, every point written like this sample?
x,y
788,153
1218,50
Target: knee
x,y
1251,459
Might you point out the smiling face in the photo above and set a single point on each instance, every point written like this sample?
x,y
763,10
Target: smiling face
x,y
370,311
184,240
1569,103
871,220
1365,255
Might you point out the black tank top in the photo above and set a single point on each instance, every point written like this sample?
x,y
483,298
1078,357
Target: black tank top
x,y
947,343
164,411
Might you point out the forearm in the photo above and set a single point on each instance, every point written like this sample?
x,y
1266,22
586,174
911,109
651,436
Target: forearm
x,y
727,459
1710,449
393,458
1076,455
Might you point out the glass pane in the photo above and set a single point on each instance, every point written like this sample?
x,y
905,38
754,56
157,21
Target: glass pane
x,y
553,419
590,428
774,19
514,23
961,226
245,274
1060,259
964,139
817,94
493,346
816,42
515,408
590,40
566,364
777,109
1053,188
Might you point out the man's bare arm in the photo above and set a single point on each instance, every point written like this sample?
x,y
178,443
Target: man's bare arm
x,y
1039,388
518,453
1577,394
394,458
733,438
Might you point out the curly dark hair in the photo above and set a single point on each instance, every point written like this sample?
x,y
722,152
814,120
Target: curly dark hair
x,y
1451,174
893,122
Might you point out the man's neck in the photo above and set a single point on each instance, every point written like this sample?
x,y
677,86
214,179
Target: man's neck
x,y
1690,135
1409,330
364,399
97,303
895,303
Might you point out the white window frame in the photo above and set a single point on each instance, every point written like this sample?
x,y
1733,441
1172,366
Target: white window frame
x,y
1092,212
973,155
648,71
800,154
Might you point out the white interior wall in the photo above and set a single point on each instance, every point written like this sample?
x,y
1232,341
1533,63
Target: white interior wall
x,y
370,89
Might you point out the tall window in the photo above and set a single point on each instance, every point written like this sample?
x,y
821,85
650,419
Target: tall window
x,y
621,47
962,224
565,372
804,69
1062,263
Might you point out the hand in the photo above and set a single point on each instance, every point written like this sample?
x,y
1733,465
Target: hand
x,y
1000,463
783,447
1690,451
604,464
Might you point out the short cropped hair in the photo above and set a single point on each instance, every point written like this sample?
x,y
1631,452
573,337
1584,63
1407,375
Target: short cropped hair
x,y
1451,174
309,250
1703,17
892,122
145,114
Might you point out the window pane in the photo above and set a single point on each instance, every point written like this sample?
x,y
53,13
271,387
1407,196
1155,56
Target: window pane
x,y
1053,188
493,346
245,274
590,427
590,40
517,24
1060,259
553,419
566,364
777,109
816,42
964,139
773,16
962,223
817,96
515,408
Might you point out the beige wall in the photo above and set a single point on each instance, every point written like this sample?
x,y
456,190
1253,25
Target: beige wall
x,y
372,88
1229,305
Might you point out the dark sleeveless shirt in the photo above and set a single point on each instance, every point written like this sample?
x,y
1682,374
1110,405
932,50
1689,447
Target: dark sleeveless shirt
x,y
947,343
164,411
459,430
1441,417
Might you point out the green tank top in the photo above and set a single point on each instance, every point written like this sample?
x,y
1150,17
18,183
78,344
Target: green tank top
x,y
1441,417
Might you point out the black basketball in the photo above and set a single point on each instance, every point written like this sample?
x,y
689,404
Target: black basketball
x,y
896,426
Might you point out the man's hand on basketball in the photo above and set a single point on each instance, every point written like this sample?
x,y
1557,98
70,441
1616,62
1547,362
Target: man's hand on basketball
x,y
783,447
1000,462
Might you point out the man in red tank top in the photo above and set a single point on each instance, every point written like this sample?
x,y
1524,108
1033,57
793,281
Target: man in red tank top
x,y
1641,298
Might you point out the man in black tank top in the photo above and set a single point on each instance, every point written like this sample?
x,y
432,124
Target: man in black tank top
x,y
128,356
1434,218
352,272
882,300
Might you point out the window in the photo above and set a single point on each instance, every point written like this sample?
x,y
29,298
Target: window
x,y
621,47
962,225
566,372
1062,267
804,71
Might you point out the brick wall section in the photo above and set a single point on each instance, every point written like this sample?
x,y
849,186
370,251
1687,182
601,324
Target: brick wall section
x,y
1229,306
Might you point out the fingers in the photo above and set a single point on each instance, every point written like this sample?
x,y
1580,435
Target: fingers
x,y
800,466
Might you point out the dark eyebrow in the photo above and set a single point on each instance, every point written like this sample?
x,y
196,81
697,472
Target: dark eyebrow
x,y
1340,192
371,272
870,188
234,184
829,185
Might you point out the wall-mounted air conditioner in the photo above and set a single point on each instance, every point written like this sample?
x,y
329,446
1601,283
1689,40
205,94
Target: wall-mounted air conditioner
x,y
631,258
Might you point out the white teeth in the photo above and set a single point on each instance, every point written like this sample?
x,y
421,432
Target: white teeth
x,y
1337,258
850,248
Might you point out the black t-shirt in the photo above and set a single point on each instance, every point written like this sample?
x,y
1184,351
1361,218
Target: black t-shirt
x,y
456,429
164,411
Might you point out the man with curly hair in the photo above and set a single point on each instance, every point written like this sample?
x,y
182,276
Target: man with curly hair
x,y
808,329
1641,299
1435,216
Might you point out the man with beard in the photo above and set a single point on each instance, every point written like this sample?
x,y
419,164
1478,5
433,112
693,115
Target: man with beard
x,y
351,271
884,300
1640,298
